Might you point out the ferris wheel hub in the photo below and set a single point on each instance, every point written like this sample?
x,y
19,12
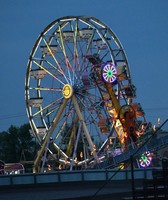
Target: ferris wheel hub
x,y
67,91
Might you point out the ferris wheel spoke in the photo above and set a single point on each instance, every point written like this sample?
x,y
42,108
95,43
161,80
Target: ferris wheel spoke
x,y
52,111
91,96
81,102
61,62
90,42
58,115
68,65
81,52
60,69
91,103
45,89
48,72
74,52
47,107
75,56
59,150
78,50
59,72
60,130
64,124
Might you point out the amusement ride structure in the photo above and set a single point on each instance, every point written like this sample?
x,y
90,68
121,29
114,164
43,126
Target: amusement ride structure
x,y
79,97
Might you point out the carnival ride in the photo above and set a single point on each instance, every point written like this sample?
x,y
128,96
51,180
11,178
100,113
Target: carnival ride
x,y
79,97
11,168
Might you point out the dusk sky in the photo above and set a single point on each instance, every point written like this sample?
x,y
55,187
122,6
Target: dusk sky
x,y
140,25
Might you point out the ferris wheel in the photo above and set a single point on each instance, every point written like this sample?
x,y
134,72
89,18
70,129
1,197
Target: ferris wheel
x,y
78,92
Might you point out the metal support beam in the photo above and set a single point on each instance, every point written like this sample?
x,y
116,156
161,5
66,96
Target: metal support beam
x,y
85,128
50,132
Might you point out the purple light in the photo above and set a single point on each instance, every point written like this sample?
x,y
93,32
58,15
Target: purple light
x,y
109,73
145,159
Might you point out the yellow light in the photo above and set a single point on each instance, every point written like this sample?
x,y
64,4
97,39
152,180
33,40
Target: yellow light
x,y
81,154
154,128
67,91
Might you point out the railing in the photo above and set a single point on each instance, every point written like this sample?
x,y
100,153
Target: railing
x,y
156,145
72,176
152,143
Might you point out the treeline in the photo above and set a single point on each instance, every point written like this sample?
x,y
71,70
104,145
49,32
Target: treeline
x,y
17,145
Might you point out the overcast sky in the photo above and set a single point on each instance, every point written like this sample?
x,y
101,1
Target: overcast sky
x,y
140,25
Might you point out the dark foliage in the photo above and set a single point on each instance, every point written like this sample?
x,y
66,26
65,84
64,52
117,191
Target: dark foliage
x,y
17,145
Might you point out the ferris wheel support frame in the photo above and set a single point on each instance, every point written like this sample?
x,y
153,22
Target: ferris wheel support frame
x,y
85,128
50,131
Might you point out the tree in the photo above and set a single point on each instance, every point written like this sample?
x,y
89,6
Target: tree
x,y
12,145
3,145
17,144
